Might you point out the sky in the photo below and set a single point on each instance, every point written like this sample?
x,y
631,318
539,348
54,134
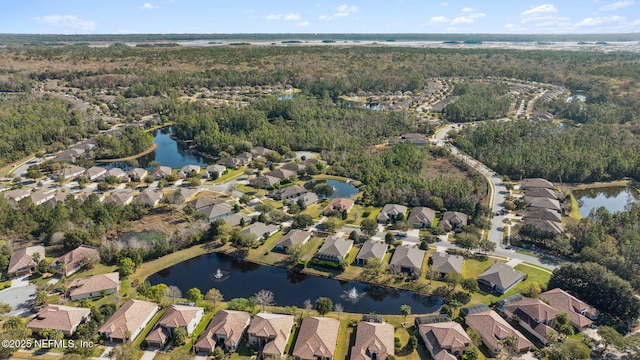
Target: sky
x,y
319,16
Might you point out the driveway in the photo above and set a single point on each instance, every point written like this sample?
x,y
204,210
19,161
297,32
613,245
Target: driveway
x,y
18,297
149,354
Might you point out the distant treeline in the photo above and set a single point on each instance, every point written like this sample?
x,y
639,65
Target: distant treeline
x,y
468,38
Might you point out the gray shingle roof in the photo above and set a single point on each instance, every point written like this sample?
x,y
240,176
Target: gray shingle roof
x,y
447,263
372,249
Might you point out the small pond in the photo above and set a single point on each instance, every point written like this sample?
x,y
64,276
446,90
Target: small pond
x,y
239,278
611,198
341,189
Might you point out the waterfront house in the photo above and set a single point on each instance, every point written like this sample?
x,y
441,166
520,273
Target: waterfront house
x,y
374,341
445,340
500,278
293,237
261,230
176,315
129,320
371,249
334,249
269,333
225,330
188,170
160,172
445,263
317,339
407,259
137,174
339,204
93,286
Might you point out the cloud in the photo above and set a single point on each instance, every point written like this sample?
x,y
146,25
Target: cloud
x,y
148,6
292,17
463,20
341,11
439,20
67,21
599,21
467,9
344,8
302,24
541,9
616,5
286,17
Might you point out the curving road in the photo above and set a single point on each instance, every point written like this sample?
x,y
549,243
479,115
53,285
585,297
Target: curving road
x,y
497,193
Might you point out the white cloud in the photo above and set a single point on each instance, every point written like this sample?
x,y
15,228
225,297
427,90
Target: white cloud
x,y
636,23
292,17
302,24
67,21
273,17
462,20
541,9
599,21
616,5
341,11
467,9
439,20
148,6
286,17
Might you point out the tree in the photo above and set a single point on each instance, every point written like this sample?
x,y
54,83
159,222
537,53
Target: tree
x,y
75,237
332,224
4,308
453,278
244,240
369,227
157,291
173,292
404,311
265,298
353,235
180,335
432,274
487,246
324,305
610,337
42,298
126,267
13,323
44,266
562,324
570,349
194,295
373,268
125,351
532,290
389,238
144,288
308,306
470,285
214,295
302,221
56,335
295,253
509,346
339,309
454,304
466,240
218,353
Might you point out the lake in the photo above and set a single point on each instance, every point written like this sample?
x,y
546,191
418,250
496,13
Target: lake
x,y
242,278
341,189
612,198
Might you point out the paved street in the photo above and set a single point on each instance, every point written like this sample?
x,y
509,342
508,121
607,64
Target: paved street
x,y
18,295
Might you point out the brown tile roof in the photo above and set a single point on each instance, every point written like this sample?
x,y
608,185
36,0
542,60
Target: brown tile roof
x,y
493,328
59,317
443,338
533,308
158,335
179,315
373,338
272,326
228,323
317,338
340,204
130,317
93,283
574,307
22,259
74,258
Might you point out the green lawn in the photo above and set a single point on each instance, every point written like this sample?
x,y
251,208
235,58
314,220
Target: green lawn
x,y
230,175
473,268
355,215
315,210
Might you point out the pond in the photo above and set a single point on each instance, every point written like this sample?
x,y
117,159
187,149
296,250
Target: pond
x,y
239,278
341,189
611,198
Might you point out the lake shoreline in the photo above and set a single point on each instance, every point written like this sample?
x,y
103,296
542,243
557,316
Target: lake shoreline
x,y
132,157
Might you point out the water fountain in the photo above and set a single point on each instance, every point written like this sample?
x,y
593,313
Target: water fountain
x,y
220,275
352,295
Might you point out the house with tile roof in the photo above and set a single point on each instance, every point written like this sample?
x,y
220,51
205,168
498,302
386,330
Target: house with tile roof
x,y
371,249
59,317
444,340
445,263
500,278
293,237
225,330
535,316
74,260
22,260
317,339
374,341
339,204
334,249
129,320
492,328
116,172
407,259
176,315
307,198
580,314
93,286
269,333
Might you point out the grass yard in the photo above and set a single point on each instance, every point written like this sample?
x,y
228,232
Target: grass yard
x,y
230,175
315,210
355,215
473,268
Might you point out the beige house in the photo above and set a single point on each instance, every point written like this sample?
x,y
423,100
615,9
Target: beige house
x,y
225,330
22,260
75,259
581,314
93,286
176,315
339,204
129,320
59,317
374,341
317,339
445,340
270,333
492,328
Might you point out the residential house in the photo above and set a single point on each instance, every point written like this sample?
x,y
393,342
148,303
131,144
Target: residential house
x,y
307,198
176,315
16,195
416,139
500,278
23,260
334,249
500,304
204,202
120,198
225,330
542,116
264,181
245,158
452,220
542,214
188,170
59,317
261,230
59,198
293,237
137,174
42,196
339,204
74,260
535,316
217,211
552,227
160,172
95,173
407,259
287,192
445,263
391,212
215,169
445,340
237,219
297,167
70,173
492,329
536,183
270,333
69,155
93,286
116,172
317,339
543,193
422,217
542,202
371,249
129,320
374,341
282,174
581,314
149,198
260,151
230,162
473,309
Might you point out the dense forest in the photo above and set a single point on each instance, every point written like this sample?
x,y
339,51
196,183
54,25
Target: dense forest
x,y
131,141
478,101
